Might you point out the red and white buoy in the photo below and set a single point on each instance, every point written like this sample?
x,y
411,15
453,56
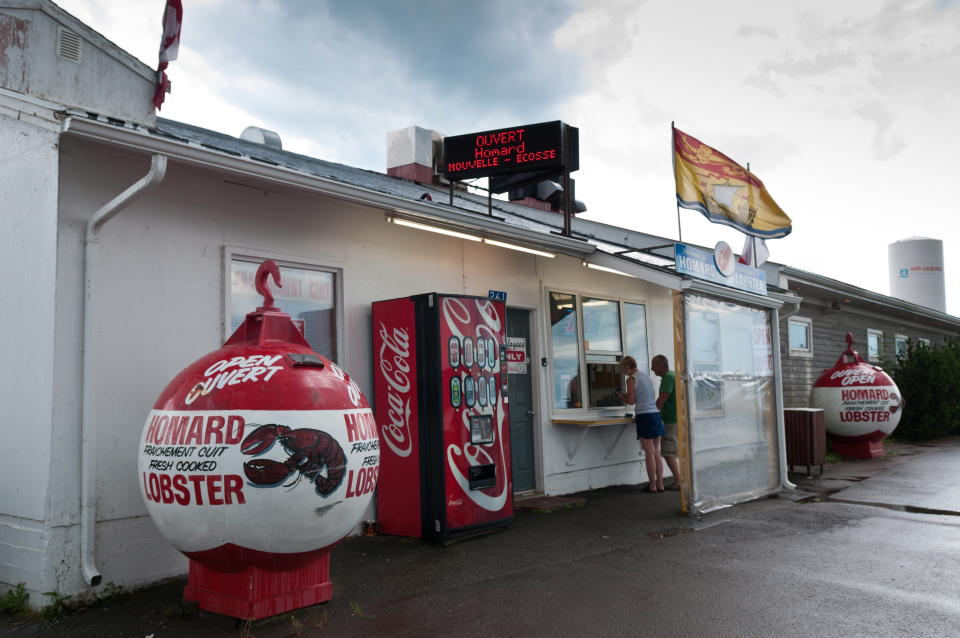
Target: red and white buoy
x,y
861,405
256,459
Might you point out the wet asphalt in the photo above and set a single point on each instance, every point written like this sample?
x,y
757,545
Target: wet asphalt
x,y
871,548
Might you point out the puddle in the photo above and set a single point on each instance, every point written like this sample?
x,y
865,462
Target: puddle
x,y
666,533
910,509
677,531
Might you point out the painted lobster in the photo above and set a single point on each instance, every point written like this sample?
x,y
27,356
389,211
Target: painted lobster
x,y
311,452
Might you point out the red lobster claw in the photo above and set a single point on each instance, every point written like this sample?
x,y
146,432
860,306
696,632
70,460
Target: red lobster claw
x,y
261,439
266,471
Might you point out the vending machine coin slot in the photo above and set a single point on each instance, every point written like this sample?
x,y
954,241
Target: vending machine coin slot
x,y
482,476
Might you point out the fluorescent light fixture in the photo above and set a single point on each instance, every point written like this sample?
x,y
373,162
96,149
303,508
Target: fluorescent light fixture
x,y
433,229
605,269
523,249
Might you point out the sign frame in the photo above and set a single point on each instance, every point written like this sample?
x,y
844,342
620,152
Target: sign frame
x,y
698,263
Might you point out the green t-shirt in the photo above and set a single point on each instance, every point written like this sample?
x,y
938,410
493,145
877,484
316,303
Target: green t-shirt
x,y
669,410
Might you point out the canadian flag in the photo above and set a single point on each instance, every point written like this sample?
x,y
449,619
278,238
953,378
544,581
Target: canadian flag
x,y
169,47
755,251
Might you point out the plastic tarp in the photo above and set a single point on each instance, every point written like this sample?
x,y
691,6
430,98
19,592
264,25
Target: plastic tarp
x,y
728,373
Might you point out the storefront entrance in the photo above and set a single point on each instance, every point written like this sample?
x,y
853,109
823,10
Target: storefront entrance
x,y
521,400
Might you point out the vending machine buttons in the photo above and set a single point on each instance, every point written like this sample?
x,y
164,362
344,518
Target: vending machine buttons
x,y
456,396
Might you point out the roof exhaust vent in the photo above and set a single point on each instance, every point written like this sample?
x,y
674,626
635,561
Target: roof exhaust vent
x,y
413,153
259,135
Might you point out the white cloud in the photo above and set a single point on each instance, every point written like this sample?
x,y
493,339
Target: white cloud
x,y
848,111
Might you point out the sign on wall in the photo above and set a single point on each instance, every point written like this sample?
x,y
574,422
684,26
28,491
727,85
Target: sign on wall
x,y
517,355
702,265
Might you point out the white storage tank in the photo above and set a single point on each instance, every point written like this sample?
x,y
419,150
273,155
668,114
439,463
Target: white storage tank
x,y
916,272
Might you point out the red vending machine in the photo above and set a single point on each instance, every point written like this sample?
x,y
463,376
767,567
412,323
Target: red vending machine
x,y
441,408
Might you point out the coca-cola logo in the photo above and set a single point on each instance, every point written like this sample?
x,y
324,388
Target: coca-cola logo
x,y
478,321
395,370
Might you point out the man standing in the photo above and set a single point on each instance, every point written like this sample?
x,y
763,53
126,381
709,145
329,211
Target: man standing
x,y
667,403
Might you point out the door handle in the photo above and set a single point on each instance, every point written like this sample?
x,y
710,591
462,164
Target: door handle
x,y
529,412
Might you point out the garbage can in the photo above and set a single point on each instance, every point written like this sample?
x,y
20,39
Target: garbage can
x,y
806,437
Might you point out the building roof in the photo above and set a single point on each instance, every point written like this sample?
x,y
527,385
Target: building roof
x,y
648,257
840,294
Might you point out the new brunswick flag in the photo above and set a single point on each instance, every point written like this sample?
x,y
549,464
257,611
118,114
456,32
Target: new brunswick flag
x,y
723,191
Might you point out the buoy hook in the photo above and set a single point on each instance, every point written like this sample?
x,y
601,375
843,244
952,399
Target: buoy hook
x,y
267,269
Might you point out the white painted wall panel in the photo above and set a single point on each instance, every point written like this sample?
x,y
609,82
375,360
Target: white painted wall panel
x,y
28,241
159,299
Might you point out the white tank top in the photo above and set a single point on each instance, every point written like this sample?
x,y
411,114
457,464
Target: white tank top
x,y
646,401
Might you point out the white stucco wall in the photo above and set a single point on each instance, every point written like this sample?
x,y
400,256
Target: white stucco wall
x,y
159,300
28,242
602,459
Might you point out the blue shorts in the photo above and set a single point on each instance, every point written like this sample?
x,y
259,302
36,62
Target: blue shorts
x,y
649,426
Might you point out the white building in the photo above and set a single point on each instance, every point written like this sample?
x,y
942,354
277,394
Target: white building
x,y
127,244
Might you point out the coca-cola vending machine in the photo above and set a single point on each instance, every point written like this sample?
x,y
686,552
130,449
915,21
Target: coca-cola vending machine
x,y
441,407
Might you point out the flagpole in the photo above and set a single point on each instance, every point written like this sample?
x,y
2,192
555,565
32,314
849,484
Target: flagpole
x,y
673,156
753,240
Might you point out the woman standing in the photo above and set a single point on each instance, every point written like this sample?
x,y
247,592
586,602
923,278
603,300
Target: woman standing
x,y
649,424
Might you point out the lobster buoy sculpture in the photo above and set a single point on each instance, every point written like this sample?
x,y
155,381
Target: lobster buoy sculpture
x,y
861,405
254,461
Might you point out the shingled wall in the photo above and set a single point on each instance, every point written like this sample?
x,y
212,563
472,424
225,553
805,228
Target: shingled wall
x,y
829,330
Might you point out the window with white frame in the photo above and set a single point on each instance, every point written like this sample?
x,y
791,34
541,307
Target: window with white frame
x,y
800,335
874,344
900,345
924,342
588,337
308,294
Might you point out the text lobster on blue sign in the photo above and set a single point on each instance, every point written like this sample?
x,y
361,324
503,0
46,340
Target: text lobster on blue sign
x,y
699,263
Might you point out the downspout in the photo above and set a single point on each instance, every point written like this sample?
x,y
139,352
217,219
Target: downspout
x,y
88,448
778,391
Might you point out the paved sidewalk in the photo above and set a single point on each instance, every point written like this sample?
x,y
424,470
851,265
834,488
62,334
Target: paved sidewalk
x,y
930,483
826,560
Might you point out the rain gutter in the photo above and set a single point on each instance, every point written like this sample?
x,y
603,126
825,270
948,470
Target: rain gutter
x,y
194,154
88,447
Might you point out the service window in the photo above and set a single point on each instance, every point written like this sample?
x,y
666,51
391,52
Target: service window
x,y
585,360
603,347
900,345
800,334
308,294
874,344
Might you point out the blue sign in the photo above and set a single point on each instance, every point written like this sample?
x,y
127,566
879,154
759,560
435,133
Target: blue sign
x,y
699,263
904,273
497,295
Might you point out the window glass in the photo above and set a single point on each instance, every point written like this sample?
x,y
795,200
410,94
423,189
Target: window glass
x,y
601,325
874,345
900,345
307,295
635,335
924,342
604,380
799,335
565,351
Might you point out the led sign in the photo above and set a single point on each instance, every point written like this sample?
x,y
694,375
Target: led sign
x,y
534,147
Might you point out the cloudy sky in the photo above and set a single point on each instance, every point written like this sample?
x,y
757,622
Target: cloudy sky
x,y
848,111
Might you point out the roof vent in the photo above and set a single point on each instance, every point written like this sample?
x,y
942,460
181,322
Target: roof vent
x,y
69,45
259,135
